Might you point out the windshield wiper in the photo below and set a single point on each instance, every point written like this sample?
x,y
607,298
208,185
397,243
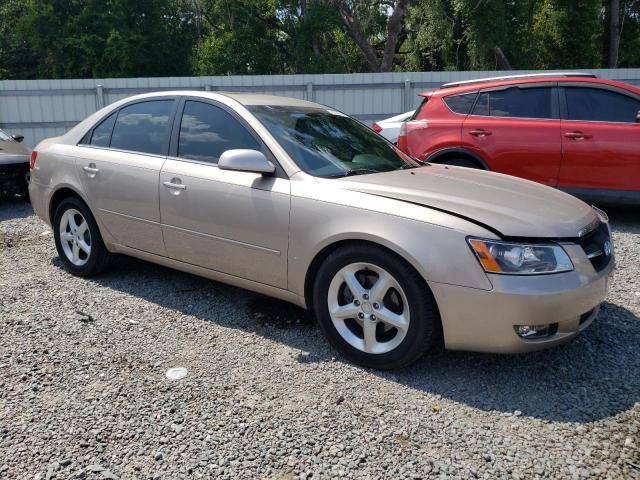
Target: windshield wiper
x,y
354,171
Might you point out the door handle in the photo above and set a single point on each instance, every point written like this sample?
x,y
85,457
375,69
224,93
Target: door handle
x,y
91,170
577,135
174,186
479,132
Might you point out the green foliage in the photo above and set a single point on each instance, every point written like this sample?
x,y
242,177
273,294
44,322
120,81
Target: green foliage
x,y
124,38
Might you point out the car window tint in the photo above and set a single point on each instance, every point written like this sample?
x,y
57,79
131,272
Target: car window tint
x,y
143,127
482,105
461,103
521,103
101,135
207,131
594,104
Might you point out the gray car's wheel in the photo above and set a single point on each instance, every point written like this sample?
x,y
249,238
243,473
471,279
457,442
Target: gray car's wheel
x,y
78,239
374,308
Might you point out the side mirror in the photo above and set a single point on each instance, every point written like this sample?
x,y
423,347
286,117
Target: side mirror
x,y
18,137
244,160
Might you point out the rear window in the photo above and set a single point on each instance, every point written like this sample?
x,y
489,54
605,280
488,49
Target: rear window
x,y
143,127
101,135
515,103
461,103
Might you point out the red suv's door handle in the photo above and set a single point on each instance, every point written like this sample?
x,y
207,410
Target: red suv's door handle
x,y
479,132
577,135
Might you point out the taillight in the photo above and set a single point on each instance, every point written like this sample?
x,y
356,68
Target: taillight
x,y
376,128
32,159
402,138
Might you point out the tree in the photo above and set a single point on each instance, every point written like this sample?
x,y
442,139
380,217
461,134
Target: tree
x,y
354,12
614,32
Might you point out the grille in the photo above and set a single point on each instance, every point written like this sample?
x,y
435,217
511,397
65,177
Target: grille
x,y
593,245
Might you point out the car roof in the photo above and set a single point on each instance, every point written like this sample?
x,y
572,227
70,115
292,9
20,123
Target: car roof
x,y
243,98
480,84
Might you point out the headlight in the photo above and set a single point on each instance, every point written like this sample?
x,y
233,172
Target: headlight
x,y
520,259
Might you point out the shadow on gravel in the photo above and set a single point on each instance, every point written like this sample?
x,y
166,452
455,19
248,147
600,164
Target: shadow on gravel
x,y
14,207
594,376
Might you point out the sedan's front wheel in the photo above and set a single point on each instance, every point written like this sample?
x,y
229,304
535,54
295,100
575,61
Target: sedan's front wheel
x,y
374,308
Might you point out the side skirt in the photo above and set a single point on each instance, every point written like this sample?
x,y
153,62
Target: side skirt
x,y
257,287
605,197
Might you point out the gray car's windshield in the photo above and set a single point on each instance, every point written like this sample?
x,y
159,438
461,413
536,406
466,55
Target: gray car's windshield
x,y
327,143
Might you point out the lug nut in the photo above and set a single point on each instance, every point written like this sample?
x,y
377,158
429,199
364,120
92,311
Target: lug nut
x,y
356,303
372,317
361,315
376,306
365,296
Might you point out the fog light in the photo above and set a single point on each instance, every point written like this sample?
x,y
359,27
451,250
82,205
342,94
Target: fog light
x,y
536,331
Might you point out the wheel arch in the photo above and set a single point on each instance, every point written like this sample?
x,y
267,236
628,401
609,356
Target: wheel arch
x,y
336,244
62,192
455,152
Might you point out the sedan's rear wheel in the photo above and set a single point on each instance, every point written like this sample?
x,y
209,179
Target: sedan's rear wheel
x,y
374,308
78,239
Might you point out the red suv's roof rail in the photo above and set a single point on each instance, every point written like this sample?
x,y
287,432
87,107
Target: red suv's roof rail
x,y
514,77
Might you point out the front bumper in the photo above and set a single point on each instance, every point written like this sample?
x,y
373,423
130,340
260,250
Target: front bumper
x,y
484,321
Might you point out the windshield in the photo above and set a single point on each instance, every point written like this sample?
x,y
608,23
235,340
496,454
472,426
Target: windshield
x,y
327,143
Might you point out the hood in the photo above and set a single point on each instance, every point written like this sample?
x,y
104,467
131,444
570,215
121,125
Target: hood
x,y
512,206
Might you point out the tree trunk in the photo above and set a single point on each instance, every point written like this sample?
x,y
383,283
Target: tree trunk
x,y
502,62
395,23
614,33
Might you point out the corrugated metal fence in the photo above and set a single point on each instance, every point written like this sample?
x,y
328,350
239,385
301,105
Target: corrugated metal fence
x,y
44,108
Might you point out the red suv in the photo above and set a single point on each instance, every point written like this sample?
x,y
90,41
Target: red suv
x,y
572,131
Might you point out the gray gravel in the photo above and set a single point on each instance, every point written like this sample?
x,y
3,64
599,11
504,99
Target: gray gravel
x,y
83,392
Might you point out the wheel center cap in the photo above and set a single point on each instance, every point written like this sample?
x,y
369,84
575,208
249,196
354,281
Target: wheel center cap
x,y
367,308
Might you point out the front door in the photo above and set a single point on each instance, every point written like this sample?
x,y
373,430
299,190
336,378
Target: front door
x,y
120,163
516,130
600,140
232,222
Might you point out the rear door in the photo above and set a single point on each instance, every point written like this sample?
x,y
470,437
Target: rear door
x,y
600,139
516,130
232,222
119,163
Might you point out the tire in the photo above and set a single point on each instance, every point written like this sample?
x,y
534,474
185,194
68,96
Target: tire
x,y
462,162
75,229
402,299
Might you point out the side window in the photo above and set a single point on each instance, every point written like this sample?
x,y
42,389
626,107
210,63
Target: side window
x,y
521,102
143,127
482,105
460,103
101,135
206,131
594,104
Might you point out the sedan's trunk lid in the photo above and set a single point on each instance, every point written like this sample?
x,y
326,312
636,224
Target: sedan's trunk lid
x,y
512,206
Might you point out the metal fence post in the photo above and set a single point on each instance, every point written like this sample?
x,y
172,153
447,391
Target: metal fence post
x,y
99,96
310,92
407,100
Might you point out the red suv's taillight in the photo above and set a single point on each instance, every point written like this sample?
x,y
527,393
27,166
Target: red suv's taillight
x,y
376,128
402,138
32,160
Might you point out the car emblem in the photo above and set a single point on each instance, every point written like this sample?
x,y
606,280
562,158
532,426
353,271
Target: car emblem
x,y
607,248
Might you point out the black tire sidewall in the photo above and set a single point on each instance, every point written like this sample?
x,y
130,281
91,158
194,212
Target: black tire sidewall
x,y
462,162
424,325
98,250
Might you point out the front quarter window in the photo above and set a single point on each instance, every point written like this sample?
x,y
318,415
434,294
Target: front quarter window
x,y
327,143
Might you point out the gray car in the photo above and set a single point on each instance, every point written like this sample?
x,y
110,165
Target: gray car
x,y
298,201
14,165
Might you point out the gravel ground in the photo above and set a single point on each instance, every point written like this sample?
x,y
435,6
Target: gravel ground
x,y
83,392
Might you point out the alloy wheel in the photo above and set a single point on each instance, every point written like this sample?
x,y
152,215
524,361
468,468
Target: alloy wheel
x,y
368,308
75,237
